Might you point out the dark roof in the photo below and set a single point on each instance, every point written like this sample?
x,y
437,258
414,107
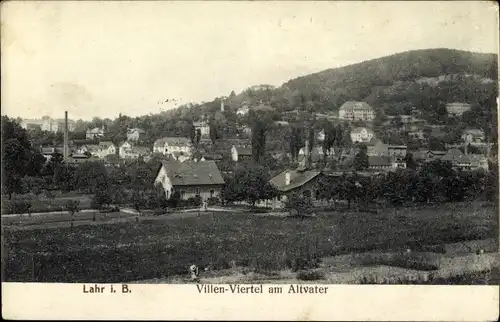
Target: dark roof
x,y
212,156
297,179
178,140
422,154
190,173
105,144
242,151
50,150
379,160
354,105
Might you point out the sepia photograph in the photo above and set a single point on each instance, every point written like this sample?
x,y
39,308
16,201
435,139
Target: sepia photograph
x,y
233,144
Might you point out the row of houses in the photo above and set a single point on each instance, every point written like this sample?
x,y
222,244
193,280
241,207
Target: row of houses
x,y
97,133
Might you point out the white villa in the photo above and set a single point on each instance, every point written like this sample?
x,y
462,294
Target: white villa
x,y
361,134
172,144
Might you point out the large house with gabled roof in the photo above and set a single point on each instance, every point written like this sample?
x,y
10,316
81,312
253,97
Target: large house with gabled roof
x,y
301,181
190,179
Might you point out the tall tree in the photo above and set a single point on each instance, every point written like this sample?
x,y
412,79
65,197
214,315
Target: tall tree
x,y
214,135
16,155
198,136
361,159
192,134
295,142
410,161
310,138
250,183
91,176
258,140
330,138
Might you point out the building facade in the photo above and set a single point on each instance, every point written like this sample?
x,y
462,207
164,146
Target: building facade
x,y
361,134
95,133
135,134
172,144
47,124
353,110
473,136
106,148
203,127
239,153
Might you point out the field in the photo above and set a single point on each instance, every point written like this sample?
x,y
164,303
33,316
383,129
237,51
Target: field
x,y
158,249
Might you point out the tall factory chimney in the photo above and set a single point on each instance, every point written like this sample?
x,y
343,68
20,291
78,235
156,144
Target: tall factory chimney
x,y
66,136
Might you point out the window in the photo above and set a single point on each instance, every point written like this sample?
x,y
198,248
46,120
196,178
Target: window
x,y
317,194
197,191
183,193
212,193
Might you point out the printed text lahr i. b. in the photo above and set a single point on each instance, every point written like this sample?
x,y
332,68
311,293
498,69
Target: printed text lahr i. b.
x,y
259,289
100,289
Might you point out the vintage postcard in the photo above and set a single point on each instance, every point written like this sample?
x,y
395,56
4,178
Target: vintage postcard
x,y
250,160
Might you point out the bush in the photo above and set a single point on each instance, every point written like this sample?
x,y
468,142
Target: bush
x,y
214,201
299,205
302,262
310,275
15,206
260,210
191,202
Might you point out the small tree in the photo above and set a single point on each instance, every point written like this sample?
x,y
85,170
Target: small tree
x,y
174,199
139,202
361,160
192,133
410,162
72,206
21,207
299,205
198,136
102,197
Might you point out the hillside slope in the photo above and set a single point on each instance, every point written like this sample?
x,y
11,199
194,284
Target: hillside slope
x,y
360,80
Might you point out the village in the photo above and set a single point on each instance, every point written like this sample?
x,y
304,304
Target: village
x,y
197,166
339,178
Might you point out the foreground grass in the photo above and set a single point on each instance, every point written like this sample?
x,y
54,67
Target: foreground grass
x,y
126,252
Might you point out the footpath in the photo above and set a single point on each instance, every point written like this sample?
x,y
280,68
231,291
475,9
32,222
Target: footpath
x,y
94,217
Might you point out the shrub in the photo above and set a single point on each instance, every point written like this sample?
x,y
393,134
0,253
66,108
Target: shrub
x,y
302,261
299,205
15,206
72,206
310,275
175,200
214,201
191,202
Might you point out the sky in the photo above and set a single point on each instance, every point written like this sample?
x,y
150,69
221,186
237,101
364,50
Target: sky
x,y
105,58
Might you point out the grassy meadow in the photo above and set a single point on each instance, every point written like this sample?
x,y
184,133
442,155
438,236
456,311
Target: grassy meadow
x,y
129,251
